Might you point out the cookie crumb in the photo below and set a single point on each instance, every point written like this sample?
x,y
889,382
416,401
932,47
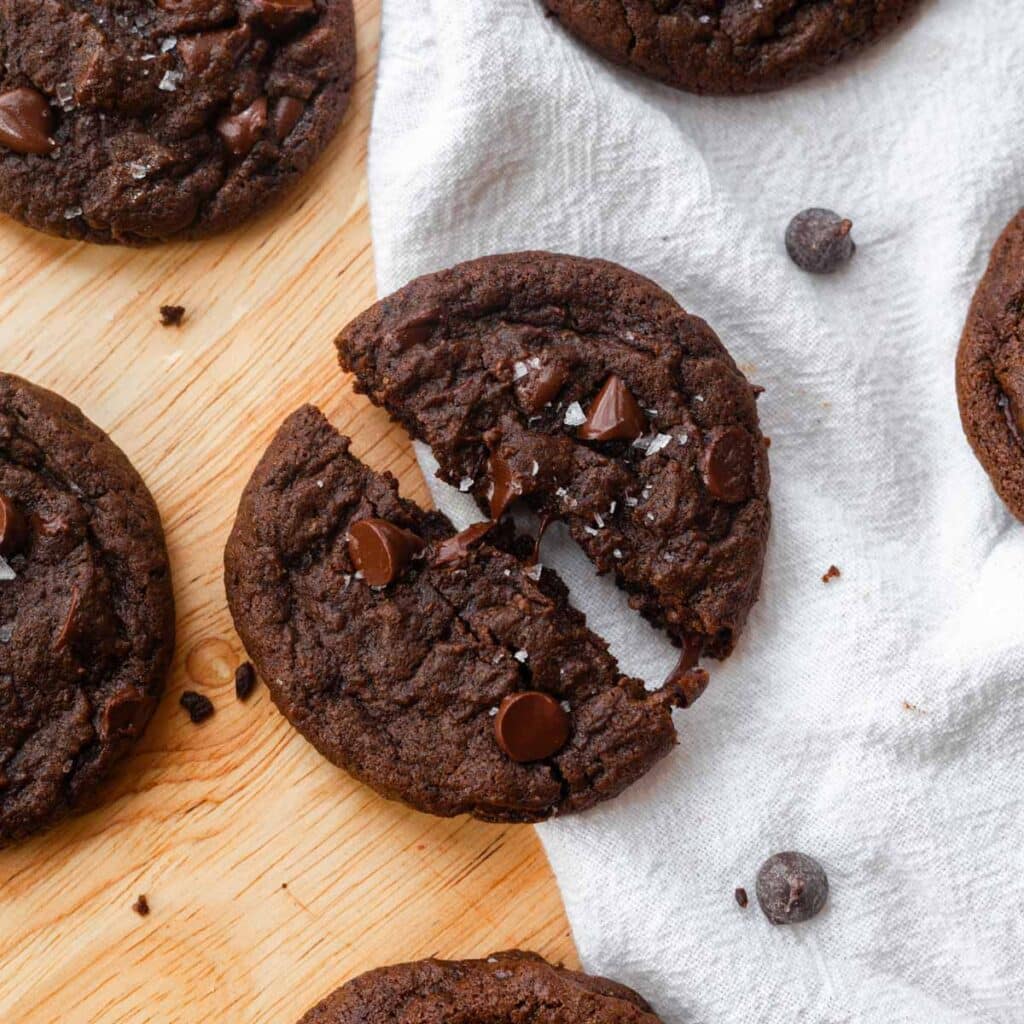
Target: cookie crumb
x,y
245,680
199,708
141,906
832,574
172,316
907,706
741,897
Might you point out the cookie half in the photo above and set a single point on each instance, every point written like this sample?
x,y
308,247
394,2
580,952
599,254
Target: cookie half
x,y
443,670
511,986
729,46
86,608
990,369
139,120
586,391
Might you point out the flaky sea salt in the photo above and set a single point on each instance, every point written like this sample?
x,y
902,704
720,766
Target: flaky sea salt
x,y
519,369
171,81
6,632
574,415
168,44
521,656
6,572
658,442
466,484
535,571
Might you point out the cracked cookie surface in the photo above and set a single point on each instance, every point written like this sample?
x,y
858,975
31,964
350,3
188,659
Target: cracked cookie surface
x,y
729,46
86,608
990,369
506,987
134,121
400,683
586,391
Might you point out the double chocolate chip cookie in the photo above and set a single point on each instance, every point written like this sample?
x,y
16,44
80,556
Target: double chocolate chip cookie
x,y
587,392
133,121
729,46
86,609
443,669
511,986
990,369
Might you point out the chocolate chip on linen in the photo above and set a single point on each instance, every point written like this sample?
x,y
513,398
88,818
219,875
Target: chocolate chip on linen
x,y
496,132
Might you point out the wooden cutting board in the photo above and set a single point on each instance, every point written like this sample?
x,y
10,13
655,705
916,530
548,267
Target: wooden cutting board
x,y
272,876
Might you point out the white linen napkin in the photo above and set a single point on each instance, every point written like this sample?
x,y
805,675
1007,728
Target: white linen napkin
x,y
876,723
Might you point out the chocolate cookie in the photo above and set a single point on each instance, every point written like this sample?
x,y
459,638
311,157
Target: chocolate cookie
x,y
729,46
589,393
86,609
442,669
990,369
133,121
510,986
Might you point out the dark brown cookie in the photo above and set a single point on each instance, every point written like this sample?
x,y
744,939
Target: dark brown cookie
x,y
86,609
990,369
588,392
510,986
133,121
729,46
398,649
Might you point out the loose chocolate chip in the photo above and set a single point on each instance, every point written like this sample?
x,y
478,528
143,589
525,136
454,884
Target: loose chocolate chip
x,y
287,111
245,680
172,316
833,573
728,464
199,708
381,551
505,485
141,906
791,887
13,527
614,415
243,130
531,726
541,386
26,122
819,241
741,897
454,549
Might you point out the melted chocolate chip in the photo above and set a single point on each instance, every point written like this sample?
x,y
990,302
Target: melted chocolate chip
x,y
26,122
243,130
127,715
541,386
791,887
13,527
505,485
287,111
728,465
418,329
278,15
531,726
201,51
614,415
381,551
456,548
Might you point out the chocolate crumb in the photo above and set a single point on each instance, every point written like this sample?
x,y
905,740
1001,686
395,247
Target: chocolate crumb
x,y
741,897
832,574
199,708
172,316
141,906
245,680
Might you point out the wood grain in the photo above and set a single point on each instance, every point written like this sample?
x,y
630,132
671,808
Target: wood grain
x,y
272,876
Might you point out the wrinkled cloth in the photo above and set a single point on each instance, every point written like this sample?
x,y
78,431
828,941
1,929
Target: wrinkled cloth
x,y
876,722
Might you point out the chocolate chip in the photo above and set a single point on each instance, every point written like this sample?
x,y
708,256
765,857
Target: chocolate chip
x,y
380,550
819,241
243,130
505,484
833,573
531,726
614,415
126,715
541,386
245,680
685,680
199,708
26,122
277,14
791,887
141,906
454,549
287,111
741,897
728,464
417,329
13,527
201,51
172,316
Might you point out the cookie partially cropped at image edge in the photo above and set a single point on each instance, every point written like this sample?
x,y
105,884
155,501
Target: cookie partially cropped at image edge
x,y
990,369
443,669
134,121
729,46
510,986
86,608
587,392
